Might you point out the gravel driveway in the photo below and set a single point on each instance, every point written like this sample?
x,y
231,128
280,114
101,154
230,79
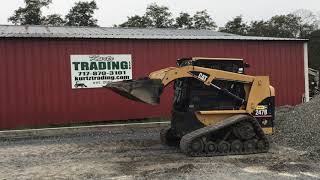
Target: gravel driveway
x,y
135,152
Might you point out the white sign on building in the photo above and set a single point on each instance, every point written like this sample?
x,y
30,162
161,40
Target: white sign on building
x,y
95,71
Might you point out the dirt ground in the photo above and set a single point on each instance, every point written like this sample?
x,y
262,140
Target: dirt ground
x,y
135,152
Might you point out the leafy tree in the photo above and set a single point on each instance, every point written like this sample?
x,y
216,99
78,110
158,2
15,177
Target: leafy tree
x,y
159,16
291,25
258,28
30,14
54,20
284,26
307,17
309,22
184,20
202,20
235,26
137,21
305,30
81,14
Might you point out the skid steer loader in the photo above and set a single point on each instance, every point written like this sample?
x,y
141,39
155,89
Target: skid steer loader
x,y
217,109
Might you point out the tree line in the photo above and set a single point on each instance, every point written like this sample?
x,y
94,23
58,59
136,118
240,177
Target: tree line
x,y
298,24
160,17
81,14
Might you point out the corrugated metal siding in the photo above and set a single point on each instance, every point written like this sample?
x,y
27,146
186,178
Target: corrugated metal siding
x,y
35,76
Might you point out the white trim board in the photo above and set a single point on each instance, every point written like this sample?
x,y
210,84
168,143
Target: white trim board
x,y
306,71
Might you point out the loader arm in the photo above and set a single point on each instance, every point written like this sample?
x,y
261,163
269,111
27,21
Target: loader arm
x,y
170,74
149,89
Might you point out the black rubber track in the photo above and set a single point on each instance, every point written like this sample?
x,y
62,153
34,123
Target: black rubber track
x,y
187,139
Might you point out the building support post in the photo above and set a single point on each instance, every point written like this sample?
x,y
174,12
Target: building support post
x,y
306,71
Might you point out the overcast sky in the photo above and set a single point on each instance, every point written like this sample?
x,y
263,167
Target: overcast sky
x,y
116,11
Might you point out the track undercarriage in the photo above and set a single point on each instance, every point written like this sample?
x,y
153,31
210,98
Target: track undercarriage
x,y
239,134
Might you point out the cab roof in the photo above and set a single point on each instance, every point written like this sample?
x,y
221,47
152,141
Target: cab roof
x,y
209,58
216,59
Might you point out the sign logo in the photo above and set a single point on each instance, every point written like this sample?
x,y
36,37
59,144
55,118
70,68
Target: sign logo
x,y
95,71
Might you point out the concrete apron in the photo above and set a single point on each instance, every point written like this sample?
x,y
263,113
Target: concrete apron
x,y
61,131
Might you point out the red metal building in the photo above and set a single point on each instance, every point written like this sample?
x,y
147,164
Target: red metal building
x,y
35,69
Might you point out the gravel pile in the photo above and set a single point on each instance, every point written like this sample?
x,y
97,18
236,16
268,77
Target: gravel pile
x,y
299,126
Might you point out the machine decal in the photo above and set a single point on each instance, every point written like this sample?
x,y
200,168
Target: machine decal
x,y
199,75
264,112
261,110
202,77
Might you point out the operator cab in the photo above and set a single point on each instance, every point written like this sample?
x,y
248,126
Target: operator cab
x,y
192,95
